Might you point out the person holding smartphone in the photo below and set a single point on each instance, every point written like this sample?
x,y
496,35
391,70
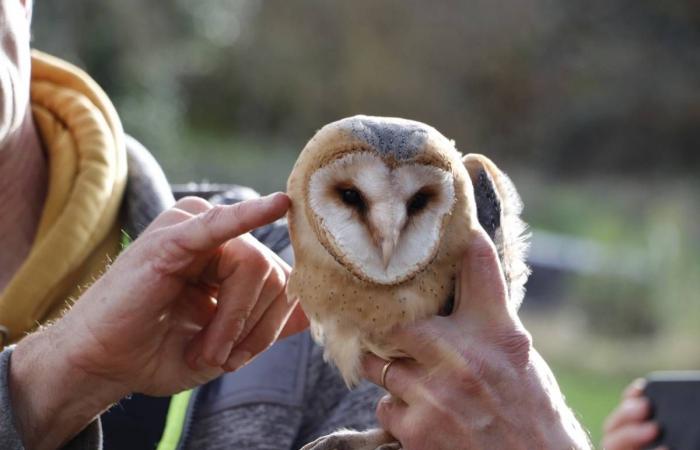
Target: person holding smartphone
x,y
629,426
659,412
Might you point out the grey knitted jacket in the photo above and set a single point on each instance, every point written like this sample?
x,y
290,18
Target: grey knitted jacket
x,y
285,398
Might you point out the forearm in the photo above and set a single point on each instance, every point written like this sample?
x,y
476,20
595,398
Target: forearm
x,y
52,401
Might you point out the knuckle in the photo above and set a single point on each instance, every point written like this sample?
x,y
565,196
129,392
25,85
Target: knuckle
x,y
237,314
383,410
392,381
262,342
166,218
517,346
238,211
159,235
167,252
236,323
212,215
257,262
193,204
278,278
481,246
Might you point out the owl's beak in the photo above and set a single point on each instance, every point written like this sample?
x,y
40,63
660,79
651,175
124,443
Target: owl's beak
x,y
388,246
385,224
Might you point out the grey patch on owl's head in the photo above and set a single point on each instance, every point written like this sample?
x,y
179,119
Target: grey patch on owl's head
x,y
399,138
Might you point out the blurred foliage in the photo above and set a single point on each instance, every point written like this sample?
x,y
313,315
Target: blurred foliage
x,y
572,88
650,278
591,395
616,308
593,106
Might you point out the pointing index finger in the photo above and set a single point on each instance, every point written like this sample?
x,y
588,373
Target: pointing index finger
x,y
221,223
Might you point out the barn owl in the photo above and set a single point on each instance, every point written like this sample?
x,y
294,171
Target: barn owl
x,y
381,215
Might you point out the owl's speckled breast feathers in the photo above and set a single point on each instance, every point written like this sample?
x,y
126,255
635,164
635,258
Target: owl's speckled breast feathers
x,y
381,214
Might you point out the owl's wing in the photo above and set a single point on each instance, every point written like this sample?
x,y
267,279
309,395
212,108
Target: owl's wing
x,y
498,208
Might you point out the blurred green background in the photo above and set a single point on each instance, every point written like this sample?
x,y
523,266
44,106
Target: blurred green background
x,y
592,107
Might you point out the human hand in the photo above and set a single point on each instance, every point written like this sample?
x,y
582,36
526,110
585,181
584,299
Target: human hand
x,y
190,298
629,427
473,379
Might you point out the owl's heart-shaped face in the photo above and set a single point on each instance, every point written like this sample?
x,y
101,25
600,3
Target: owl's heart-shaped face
x,y
380,219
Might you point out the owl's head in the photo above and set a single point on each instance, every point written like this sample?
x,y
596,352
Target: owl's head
x,y
378,193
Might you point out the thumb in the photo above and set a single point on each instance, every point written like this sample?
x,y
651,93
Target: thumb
x,y
481,289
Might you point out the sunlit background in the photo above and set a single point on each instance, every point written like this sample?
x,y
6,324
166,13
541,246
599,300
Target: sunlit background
x,y
592,107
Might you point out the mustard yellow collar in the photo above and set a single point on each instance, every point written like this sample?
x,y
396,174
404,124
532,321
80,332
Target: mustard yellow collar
x,y
84,141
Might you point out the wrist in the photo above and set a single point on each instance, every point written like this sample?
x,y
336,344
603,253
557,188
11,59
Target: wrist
x,y
563,430
52,400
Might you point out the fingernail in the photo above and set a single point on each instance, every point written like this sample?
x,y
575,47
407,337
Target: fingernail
x,y
237,359
223,352
636,387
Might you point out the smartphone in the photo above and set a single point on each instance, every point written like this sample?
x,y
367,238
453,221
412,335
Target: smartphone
x,y
675,406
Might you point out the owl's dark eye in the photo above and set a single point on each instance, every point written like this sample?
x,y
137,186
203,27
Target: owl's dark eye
x,y
418,202
352,197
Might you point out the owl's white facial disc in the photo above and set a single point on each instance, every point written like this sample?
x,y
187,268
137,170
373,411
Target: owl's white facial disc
x,y
384,224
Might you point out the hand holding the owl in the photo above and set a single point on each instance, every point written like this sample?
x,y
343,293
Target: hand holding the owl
x,y
473,379
151,323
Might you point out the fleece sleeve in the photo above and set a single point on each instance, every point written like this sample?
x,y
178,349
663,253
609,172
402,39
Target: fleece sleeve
x,y
330,406
89,439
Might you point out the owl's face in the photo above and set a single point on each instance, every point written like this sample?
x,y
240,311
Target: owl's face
x,y
382,219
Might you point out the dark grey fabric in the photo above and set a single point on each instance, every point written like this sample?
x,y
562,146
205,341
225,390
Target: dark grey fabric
x,y
329,405
9,437
147,191
275,376
264,421
89,439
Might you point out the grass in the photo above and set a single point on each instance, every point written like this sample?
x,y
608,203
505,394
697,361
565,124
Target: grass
x,y
591,395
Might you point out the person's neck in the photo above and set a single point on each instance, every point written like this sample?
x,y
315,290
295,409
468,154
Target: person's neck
x,y
23,185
